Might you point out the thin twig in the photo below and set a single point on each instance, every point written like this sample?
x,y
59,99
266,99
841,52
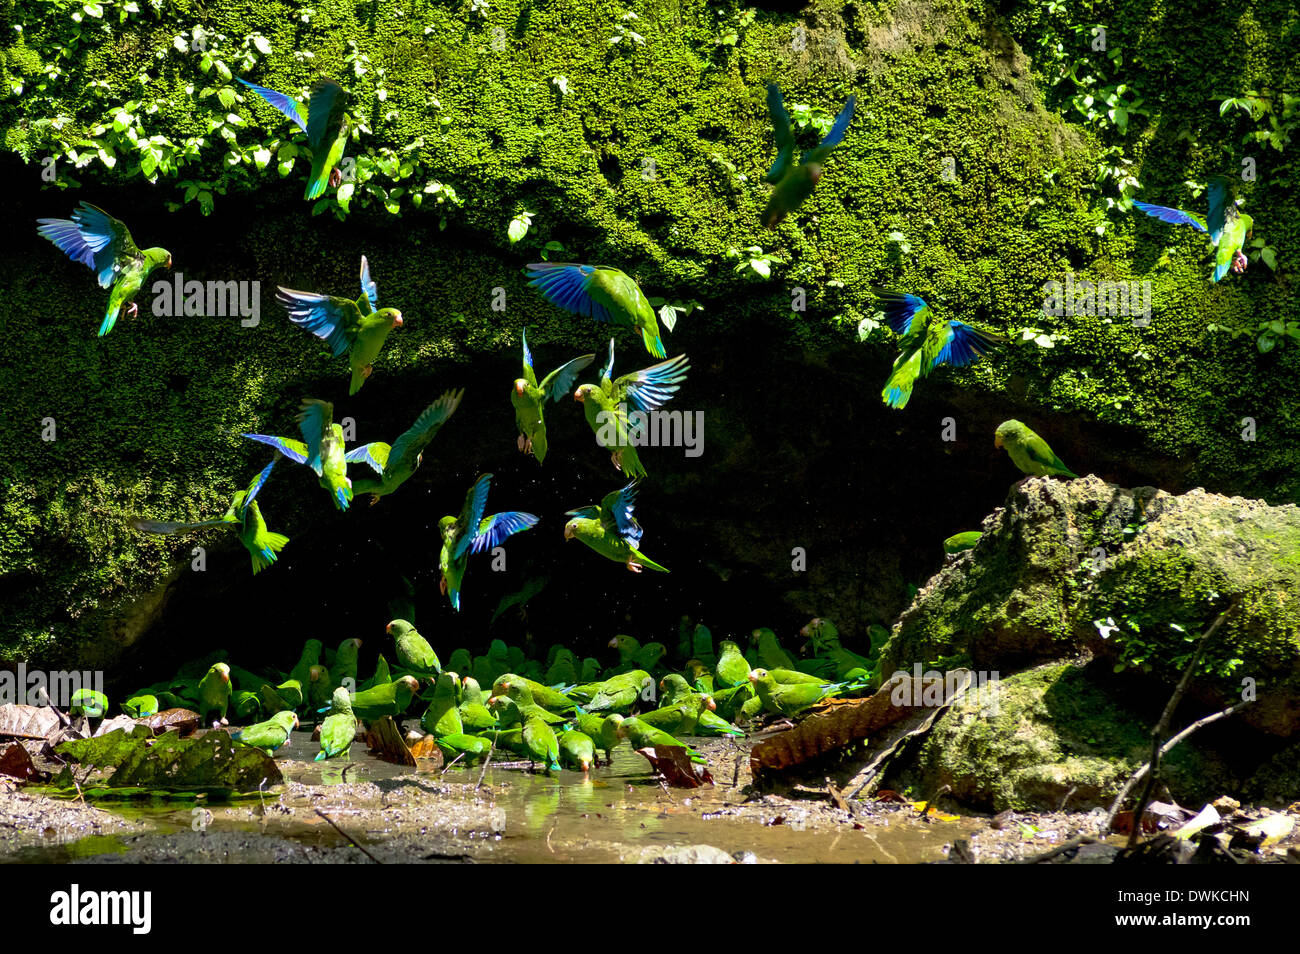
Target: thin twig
x,y
486,761
459,756
355,844
1075,842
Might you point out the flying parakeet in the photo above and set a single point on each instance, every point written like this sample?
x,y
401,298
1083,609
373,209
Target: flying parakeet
x,y
1227,227
339,728
324,120
261,544
529,398
472,532
413,650
355,327
794,182
271,734
95,238
600,292
321,449
396,462
606,405
611,530
1029,452
926,343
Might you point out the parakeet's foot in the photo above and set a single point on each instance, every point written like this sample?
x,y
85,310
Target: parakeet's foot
x,y
617,458
634,566
1239,262
442,586
374,499
133,309
336,178
365,372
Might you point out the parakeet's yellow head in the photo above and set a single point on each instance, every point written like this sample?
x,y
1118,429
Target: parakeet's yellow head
x,y
222,671
398,627
755,675
583,391
570,529
1007,431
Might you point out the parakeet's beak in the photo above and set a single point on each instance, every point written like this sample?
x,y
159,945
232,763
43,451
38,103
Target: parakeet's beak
x,y
296,723
713,706
225,677
519,386
753,675
389,629
613,643
169,261
397,320
997,440
579,396
568,531
493,700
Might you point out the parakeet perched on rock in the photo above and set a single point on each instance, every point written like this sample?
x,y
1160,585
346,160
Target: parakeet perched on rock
x,y
339,728
959,542
600,292
390,698
1227,227
395,463
926,343
95,238
794,182
413,650
324,119
529,398
354,327
321,449
270,735
261,544
214,694
1029,452
611,530
472,532
608,405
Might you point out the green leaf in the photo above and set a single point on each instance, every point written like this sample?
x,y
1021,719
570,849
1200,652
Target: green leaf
x,y
262,45
93,10
1270,257
261,157
226,96
344,195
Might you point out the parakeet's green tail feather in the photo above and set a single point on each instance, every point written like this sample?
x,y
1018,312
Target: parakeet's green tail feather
x,y
653,343
358,379
268,544
320,756
650,564
110,319
316,186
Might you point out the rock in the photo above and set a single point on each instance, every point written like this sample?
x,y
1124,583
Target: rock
x,y
689,855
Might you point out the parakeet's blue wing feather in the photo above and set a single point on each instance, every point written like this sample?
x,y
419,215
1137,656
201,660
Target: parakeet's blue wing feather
x,y
313,422
1172,216
495,529
651,387
412,442
607,371
836,134
591,512
368,287
965,345
362,455
560,381
781,132
621,514
256,486
565,285
319,107
471,515
1219,195
296,451
528,355
900,309
328,318
92,237
285,104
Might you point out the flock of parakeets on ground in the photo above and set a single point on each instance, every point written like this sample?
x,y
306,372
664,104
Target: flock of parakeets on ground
x,y
359,328
554,711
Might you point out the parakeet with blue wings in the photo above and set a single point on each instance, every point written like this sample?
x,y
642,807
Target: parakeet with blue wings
x,y
262,545
793,182
611,530
1227,227
606,405
927,343
600,292
529,398
358,328
321,449
397,462
324,119
95,238
472,532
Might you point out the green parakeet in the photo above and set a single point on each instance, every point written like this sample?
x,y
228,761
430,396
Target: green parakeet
x,y
961,541
1029,452
680,717
600,292
466,749
789,698
1227,227
769,648
926,343
390,698
269,735
262,545
546,697
320,687
413,650
461,660
324,119
563,670
541,743
88,702
381,676
699,675
732,669
495,663
354,327
141,705
472,532
443,716
608,406
95,238
620,693
344,665
214,694
474,715
321,449
602,731
339,728
529,399
521,695
641,735
577,750
825,639
794,182
395,463
611,530
247,705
